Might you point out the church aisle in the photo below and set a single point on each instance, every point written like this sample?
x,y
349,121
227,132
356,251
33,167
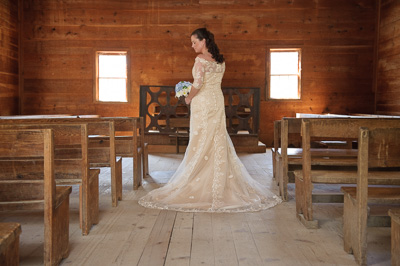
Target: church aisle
x,y
132,235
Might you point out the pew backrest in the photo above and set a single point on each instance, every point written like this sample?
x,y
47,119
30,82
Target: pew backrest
x,y
20,145
71,151
383,147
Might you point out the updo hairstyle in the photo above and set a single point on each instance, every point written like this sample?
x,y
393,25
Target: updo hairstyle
x,y
203,33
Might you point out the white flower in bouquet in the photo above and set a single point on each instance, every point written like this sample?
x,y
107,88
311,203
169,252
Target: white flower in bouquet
x,y
182,88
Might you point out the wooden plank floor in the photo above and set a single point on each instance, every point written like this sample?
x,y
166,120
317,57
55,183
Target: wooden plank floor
x,y
132,235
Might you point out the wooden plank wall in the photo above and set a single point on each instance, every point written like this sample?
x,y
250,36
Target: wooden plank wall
x,y
60,37
9,90
388,88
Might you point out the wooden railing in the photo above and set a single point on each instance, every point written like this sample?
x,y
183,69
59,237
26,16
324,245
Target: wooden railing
x,y
159,106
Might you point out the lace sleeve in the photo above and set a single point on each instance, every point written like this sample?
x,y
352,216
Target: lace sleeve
x,y
198,74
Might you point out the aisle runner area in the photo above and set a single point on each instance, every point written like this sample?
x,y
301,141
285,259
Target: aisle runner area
x,y
132,235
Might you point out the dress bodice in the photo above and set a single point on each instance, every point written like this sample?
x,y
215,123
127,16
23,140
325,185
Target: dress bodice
x,y
207,74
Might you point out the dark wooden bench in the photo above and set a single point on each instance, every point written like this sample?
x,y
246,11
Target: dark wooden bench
x,y
181,126
395,231
304,179
378,149
71,166
39,192
9,243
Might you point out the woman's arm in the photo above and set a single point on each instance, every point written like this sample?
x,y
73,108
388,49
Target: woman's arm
x,y
198,80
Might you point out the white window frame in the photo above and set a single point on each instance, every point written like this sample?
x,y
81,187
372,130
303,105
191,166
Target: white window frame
x,y
96,91
269,75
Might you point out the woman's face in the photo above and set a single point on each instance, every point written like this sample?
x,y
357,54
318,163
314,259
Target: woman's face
x,y
197,45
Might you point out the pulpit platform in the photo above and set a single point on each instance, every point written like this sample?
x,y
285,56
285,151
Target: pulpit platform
x,y
167,119
164,143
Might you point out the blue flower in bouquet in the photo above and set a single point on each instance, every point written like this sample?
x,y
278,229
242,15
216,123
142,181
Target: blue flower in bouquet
x,y
182,88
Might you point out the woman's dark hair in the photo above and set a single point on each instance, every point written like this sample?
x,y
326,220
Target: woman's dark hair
x,y
203,33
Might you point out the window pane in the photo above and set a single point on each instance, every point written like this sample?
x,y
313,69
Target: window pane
x,y
284,87
112,90
113,66
284,63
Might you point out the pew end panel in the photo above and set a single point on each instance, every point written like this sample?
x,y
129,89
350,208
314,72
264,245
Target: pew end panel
x,y
277,145
40,191
378,149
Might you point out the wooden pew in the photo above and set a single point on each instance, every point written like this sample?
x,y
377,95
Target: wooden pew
x,y
130,142
71,167
9,243
124,129
395,231
378,149
287,126
288,159
274,150
103,154
322,128
126,146
40,192
99,155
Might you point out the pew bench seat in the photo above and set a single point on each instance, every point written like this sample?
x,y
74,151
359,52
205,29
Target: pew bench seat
x,y
124,148
338,177
9,243
118,176
350,177
320,157
67,172
381,195
297,153
179,136
376,195
28,196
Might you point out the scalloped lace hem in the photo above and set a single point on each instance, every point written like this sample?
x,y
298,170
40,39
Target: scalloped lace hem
x,y
249,208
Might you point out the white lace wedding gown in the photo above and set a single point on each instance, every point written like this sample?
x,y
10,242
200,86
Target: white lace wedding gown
x,y
211,177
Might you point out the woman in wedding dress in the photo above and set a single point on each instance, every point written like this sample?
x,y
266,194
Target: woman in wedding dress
x,y
211,177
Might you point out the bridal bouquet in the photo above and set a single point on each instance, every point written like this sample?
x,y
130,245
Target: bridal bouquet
x,y
182,88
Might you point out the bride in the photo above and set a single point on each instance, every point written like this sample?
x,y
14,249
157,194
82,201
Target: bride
x,y
211,177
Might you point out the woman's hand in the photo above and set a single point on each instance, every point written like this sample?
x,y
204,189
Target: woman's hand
x,y
191,95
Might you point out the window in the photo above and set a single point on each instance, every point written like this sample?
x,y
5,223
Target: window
x,y
112,76
284,73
